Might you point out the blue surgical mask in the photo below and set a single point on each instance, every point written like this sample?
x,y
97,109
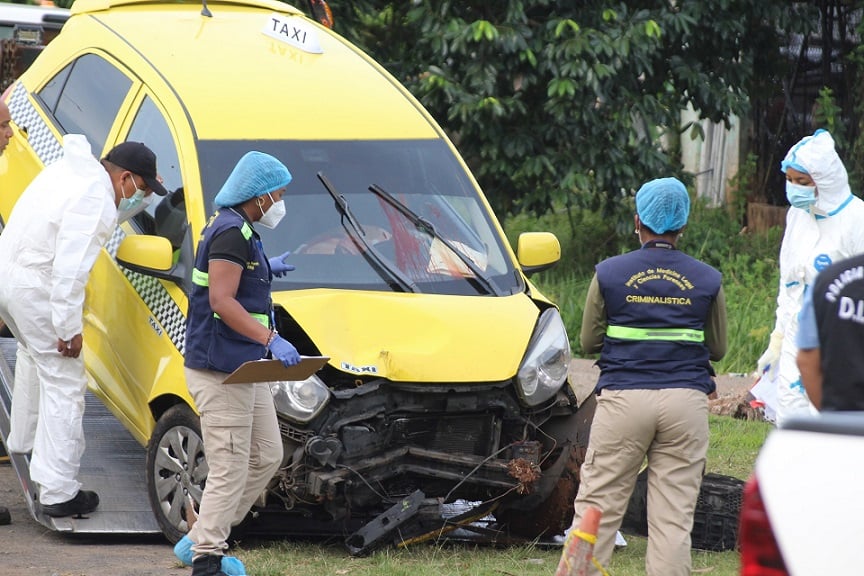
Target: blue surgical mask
x,y
800,196
129,207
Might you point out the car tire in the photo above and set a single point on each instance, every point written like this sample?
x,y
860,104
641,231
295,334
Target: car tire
x,y
176,469
554,515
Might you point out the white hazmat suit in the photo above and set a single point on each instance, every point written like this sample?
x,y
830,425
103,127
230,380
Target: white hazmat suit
x,y
828,231
52,239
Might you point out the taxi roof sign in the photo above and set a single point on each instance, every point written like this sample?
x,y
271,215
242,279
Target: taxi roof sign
x,y
294,31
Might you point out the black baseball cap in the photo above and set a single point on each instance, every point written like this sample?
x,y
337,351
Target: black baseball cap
x,y
137,158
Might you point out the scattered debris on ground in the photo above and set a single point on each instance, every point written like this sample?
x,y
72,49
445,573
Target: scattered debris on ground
x,y
738,405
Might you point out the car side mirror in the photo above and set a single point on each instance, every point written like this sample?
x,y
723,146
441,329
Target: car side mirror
x,y
537,251
148,255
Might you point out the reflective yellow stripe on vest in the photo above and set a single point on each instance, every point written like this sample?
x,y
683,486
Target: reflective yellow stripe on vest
x,y
200,278
669,334
203,279
262,318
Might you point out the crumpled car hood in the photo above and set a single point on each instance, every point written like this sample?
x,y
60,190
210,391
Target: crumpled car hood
x,y
416,337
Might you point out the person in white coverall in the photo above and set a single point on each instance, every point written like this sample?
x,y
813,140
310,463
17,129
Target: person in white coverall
x,y
50,243
824,224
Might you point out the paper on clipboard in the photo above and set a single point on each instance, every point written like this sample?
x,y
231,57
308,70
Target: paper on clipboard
x,y
273,370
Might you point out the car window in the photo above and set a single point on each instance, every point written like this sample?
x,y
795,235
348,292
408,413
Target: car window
x,y
86,96
165,216
151,128
50,93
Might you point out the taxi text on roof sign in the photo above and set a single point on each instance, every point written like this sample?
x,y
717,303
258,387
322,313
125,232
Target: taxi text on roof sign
x,y
294,31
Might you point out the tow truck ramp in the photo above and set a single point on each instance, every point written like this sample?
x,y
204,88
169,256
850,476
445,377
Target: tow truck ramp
x,y
113,466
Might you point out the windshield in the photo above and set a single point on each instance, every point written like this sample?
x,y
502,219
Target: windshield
x,y
328,251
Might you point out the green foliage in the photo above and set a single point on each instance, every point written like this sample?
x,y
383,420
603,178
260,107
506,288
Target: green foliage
x,y
743,184
829,115
855,160
554,104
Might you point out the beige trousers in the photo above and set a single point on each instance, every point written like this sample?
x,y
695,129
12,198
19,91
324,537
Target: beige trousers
x,y
243,450
670,427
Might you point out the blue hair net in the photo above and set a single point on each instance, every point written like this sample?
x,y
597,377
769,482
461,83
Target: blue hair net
x,y
663,205
256,174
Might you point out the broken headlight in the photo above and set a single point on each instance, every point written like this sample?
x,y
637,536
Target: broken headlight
x,y
300,400
544,368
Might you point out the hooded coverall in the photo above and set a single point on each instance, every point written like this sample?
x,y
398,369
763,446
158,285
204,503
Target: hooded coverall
x,y
52,239
829,231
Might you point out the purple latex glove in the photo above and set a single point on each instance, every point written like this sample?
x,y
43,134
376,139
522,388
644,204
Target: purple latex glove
x,y
278,267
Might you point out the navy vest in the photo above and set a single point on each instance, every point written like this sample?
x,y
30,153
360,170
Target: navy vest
x,y
657,302
210,343
838,302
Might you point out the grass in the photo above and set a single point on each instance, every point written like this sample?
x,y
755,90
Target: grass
x,y
733,449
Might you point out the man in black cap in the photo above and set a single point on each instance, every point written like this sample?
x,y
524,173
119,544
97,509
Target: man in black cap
x,y
133,158
54,235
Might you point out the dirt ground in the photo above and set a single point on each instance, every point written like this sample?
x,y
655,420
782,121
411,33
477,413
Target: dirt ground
x,y
28,548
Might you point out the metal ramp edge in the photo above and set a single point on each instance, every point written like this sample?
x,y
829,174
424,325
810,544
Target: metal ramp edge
x,y
113,466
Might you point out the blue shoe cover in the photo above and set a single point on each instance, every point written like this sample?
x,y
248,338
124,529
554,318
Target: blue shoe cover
x,y
233,566
183,550
230,565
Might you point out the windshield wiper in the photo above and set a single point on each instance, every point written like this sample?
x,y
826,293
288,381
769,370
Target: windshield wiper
x,y
426,226
379,262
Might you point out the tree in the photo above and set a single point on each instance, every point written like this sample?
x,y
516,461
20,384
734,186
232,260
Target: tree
x,y
573,102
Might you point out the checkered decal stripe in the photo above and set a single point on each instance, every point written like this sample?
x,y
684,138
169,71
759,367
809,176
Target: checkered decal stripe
x,y
40,137
155,296
163,307
48,148
114,242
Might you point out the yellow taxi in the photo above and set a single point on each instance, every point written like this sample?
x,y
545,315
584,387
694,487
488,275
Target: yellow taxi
x,y
447,372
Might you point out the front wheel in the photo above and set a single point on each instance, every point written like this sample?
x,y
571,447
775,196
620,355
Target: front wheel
x,y
554,514
176,469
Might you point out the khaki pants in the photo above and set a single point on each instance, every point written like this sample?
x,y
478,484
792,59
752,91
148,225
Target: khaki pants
x,y
243,449
670,427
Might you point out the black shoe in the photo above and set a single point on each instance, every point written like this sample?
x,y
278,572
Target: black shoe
x,y
207,566
83,503
5,517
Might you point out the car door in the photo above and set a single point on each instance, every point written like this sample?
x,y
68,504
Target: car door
x,y
143,330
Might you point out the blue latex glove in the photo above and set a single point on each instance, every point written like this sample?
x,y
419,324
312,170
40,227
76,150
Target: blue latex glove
x,y
278,267
284,351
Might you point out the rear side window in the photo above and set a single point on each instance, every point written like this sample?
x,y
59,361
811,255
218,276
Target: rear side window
x,y
86,96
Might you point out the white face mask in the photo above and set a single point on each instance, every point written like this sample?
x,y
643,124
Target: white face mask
x,y
273,215
129,207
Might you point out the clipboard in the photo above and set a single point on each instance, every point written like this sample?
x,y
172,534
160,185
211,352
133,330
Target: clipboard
x,y
273,370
